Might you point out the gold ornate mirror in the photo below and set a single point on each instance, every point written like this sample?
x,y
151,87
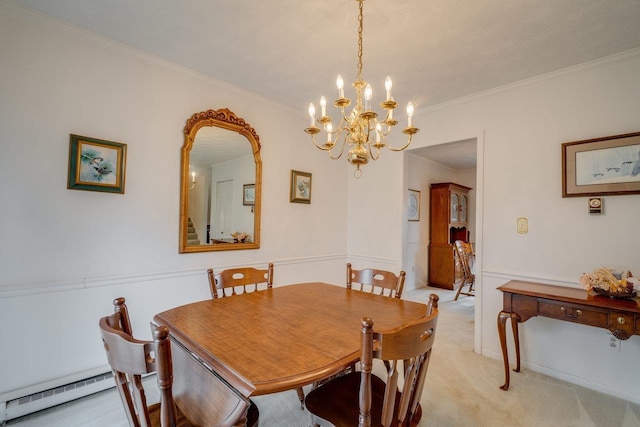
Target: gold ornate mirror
x,y
221,183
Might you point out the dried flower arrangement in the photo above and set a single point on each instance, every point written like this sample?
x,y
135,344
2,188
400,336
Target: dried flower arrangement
x,y
240,237
605,282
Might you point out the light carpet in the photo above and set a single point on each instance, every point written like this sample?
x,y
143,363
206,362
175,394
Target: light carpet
x,y
462,389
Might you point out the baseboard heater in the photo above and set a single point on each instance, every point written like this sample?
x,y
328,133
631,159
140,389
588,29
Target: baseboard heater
x,y
42,396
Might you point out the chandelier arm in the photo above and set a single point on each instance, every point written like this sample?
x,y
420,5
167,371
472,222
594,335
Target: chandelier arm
x,y
320,147
344,143
344,119
343,123
402,148
388,132
374,157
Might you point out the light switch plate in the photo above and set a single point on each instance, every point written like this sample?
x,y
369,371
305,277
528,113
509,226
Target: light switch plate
x,y
523,225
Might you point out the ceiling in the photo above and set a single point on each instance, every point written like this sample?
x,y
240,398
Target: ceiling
x,y
456,155
291,51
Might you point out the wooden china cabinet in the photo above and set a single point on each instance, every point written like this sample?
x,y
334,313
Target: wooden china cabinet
x,y
449,218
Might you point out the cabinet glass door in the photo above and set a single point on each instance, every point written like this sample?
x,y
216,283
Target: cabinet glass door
x,y
463,209
454,207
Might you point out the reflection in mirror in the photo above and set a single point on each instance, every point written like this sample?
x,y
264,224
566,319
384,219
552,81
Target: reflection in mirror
x,y
221,184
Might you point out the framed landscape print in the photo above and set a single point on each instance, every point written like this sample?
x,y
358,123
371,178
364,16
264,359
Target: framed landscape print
x,y
601,166
300,187
96,165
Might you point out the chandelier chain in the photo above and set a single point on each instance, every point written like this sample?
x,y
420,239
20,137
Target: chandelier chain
x,y
360,26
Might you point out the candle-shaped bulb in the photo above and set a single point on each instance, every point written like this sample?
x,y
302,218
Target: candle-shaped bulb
x,y
387,85
409,114
368,94
193,177
312,114
340,84
323,104
329,129
378,132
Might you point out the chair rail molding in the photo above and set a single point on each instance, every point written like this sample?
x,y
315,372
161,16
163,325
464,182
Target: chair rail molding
x,y
35,288
530,277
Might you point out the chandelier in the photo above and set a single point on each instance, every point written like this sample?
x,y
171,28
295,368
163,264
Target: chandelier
x,y
360,128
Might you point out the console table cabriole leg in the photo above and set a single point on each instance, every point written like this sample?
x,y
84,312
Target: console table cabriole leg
x,y
502,334
516,339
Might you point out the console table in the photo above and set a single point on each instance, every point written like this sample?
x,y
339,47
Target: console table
x,y
523,300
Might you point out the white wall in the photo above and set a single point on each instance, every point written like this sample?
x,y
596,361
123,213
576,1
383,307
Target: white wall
x,y
523,127
375,214
65,254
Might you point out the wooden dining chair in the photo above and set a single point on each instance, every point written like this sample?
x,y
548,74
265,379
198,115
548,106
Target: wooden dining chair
x,y
236,281
374,281
465,257
130,358
379,282
364,399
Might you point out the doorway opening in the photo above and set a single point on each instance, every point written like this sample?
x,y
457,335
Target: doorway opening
x,y
458,162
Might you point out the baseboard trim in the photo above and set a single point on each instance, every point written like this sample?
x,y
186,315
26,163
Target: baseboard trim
x,y
561,375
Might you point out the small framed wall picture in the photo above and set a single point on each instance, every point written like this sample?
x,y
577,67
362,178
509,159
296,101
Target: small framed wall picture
x,y
96,165
413,205
300,191
249,194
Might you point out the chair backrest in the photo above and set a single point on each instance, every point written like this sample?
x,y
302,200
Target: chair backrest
x,y
235,281
411,345
379,282
464,253
131,358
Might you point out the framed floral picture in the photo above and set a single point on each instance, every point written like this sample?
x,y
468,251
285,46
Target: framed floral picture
x,y
96,165
601,166
300,187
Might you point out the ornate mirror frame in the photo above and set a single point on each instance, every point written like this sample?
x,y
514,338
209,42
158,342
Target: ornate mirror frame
x,y
225,119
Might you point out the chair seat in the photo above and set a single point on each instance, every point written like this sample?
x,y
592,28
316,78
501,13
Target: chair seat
x,y
343,393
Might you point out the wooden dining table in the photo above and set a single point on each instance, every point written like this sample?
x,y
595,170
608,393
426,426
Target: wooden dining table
x,y
285,337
